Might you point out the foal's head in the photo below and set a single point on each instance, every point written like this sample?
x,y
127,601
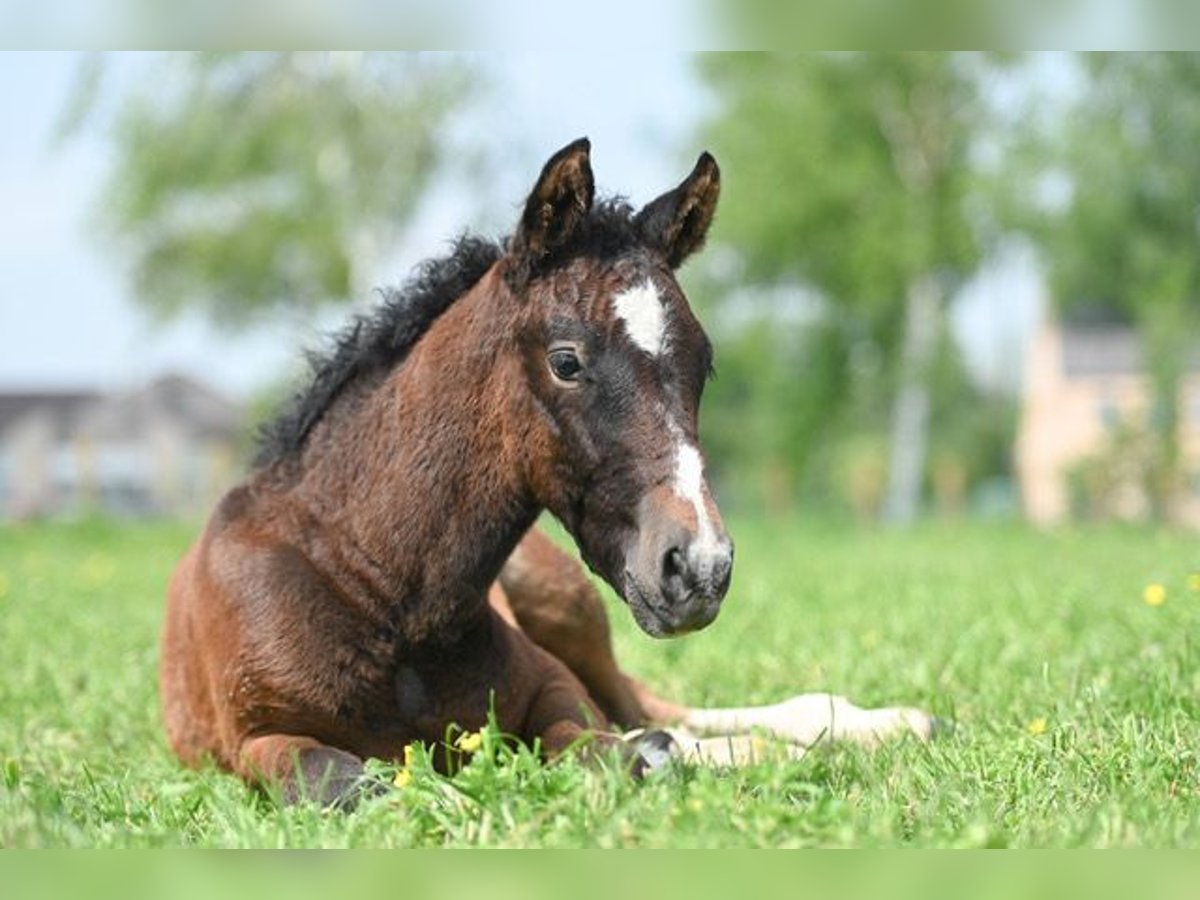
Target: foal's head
x,y
614,363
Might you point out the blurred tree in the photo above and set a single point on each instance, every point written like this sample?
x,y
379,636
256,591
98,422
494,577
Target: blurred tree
x,y
851,173
251,183
1124,244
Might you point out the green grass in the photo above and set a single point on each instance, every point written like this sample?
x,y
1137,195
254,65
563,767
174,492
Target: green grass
x,y
993,626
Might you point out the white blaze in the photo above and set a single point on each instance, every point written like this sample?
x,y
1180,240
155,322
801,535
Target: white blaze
x,y
689,484
641,309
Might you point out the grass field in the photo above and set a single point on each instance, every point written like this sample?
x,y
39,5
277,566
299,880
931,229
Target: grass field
x,y
1076,702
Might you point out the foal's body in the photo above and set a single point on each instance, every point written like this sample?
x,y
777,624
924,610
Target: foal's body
x,y
375,580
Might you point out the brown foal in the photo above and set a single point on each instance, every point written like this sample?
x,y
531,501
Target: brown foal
x,y
377,576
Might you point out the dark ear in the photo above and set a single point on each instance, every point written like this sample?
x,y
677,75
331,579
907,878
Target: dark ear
x,y
678,221
560,200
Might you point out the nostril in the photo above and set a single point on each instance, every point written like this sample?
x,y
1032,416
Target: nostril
x,y
674,564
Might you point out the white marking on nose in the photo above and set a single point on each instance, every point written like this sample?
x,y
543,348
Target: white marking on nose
x,y
641,309
689,484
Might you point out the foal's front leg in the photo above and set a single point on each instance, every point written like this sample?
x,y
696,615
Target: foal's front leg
x,y
561,715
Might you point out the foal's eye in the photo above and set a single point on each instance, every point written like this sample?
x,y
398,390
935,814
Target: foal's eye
x,y
565,364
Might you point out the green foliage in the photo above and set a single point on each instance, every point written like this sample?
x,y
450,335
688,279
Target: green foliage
x,y
1126,239
771,399
797,415
848,172
850,176
994,627
249,184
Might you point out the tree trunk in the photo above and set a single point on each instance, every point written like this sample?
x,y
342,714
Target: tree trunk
x,y
910,413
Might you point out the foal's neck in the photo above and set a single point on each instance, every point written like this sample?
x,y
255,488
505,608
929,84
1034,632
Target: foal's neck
x,y
422,476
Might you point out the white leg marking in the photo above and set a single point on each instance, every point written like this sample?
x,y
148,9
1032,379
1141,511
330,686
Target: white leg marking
x,y
809,718
755,734
641,309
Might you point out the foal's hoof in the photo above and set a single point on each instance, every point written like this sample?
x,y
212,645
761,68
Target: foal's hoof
x,y
655,749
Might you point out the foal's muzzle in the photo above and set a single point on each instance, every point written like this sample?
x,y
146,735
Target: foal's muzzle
x,y
677,575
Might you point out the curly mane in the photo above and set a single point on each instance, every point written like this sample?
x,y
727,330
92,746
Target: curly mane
x,y
377,341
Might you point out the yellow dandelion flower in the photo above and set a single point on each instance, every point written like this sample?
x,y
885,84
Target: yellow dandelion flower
x,y
1154,594
404,776
1194,581
1036,726
469,741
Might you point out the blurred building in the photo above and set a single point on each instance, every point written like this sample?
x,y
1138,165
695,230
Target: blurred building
x,y
166,449
1084,442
